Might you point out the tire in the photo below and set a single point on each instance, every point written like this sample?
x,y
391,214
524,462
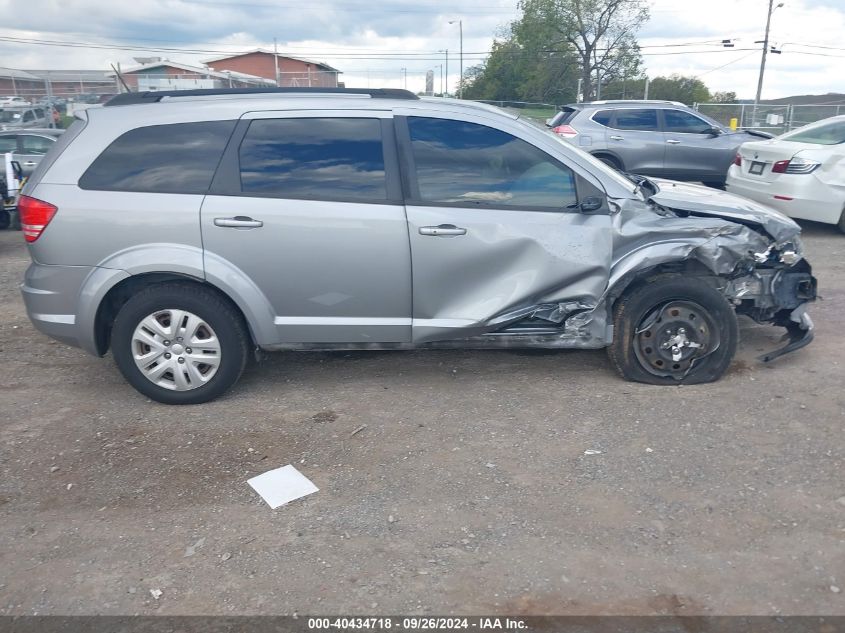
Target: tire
x,y
210,323
714,184
610,161
841,223
662,309
5,219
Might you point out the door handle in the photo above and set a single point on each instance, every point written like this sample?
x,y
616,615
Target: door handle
x,y
444,230
30,163
238,222
672,141
615,137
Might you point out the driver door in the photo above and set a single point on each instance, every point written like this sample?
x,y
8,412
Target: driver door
x,y
495,227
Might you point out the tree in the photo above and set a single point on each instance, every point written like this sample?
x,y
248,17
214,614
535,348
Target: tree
x,y
723,97
600,33
522,68
687,90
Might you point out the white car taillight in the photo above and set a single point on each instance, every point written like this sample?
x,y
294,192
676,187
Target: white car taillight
x,y
796,165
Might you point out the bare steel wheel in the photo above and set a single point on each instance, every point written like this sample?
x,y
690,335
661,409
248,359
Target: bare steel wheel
x,y
180,342
673,329
673,337
176,349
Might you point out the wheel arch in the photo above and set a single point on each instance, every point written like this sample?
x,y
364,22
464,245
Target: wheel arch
x,y
606,153
123,289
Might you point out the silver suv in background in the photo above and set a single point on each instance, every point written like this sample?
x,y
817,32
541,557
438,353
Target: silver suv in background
x,y
653,138
182,230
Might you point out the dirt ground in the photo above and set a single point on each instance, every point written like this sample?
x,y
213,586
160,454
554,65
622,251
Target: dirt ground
x,y
467,492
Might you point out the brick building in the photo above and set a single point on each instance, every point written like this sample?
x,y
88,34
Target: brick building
x,y
167,75
19,82
292,71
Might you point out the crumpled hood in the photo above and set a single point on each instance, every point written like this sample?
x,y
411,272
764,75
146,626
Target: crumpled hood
x,y
701,200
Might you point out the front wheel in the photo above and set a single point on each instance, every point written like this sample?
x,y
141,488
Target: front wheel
x,y
673,330
179,343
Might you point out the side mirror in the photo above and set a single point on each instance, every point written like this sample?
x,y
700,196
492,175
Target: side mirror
x,y
590,204
17,170
713,131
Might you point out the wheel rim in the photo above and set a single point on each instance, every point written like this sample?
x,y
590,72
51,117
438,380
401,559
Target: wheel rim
x,y
176,349
673,337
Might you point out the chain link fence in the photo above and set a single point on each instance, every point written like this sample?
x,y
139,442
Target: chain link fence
x,y
773,118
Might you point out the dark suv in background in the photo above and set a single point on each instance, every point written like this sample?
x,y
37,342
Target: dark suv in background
x,y
653,138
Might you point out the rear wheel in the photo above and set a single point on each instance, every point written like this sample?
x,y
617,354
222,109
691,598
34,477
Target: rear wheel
x,y
5,219
715,184
610,161
673,330
841,223
179,343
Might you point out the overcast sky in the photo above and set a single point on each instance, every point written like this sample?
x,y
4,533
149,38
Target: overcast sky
x,y
371,42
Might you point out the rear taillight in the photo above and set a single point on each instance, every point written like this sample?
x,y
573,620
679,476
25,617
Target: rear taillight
x,y
567,131
794,166
738,160
35,215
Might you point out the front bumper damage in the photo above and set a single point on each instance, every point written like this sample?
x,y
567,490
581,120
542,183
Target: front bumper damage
x,y
799,333
778,296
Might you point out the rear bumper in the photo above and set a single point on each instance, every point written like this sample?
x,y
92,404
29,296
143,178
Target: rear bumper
x,y
810,199
51,296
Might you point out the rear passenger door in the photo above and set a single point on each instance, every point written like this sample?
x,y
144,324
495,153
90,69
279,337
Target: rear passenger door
x,y
308,207
635,137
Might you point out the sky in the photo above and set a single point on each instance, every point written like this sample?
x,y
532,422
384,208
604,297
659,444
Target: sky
x,y
392,43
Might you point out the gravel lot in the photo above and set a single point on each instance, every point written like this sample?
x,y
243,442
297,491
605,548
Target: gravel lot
x,y
467,492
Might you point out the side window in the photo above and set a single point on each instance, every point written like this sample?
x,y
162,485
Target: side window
x,y
466,163
39,113
683,122
174,158
314,158
8,144
603,117
28,116
35,144
642,120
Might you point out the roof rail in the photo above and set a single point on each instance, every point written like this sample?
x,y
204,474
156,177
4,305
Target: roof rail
x,y
130,98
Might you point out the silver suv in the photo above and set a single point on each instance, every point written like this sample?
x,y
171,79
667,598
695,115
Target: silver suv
x,y
184,230
653,138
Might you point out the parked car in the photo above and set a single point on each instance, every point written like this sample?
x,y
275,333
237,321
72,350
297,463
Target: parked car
x,y
24,117
800,173
28,146
13,101
652,138
227,221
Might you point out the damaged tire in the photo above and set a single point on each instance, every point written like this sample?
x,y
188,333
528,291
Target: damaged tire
x,y
673,330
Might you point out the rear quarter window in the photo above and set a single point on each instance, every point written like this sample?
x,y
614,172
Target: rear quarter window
x,y
173,158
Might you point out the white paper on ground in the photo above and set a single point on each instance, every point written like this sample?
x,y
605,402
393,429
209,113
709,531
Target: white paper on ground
x,y
282,485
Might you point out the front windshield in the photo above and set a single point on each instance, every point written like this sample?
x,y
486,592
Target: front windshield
x,y
9,116
595,163
824,133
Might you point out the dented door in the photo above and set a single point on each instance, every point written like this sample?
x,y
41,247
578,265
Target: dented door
x,y
496,229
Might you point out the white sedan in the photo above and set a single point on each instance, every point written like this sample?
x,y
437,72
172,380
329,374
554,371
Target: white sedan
x,y
800,173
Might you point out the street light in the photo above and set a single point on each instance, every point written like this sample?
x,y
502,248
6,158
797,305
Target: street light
x,y
461,84
765,51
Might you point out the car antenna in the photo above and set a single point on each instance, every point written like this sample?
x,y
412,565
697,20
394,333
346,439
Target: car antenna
x,y
119,76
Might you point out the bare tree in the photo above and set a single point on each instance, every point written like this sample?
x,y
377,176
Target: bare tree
x,y
601,33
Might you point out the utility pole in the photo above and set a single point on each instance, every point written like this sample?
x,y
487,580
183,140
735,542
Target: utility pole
x,y
461,79
765,52
645,90
276,60
404,72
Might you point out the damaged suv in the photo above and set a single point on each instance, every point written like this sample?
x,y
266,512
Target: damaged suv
x,y
184,230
